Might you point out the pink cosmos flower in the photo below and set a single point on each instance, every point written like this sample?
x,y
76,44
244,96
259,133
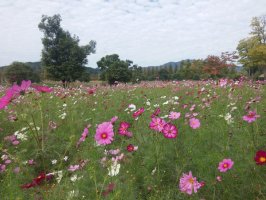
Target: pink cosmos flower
x,y
222,82
194,123
73,168
157,124
122,130
174,115
219,178
43,89
104,133
6,99
83,136
114,119
25,85
251,116
156,112
188,184
2,168
170,131
225,165
138,112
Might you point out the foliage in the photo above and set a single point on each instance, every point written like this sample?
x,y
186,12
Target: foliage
x,y
62,56
18,71
251,50
113,69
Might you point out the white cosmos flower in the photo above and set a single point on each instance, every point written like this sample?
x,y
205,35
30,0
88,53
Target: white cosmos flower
x,y
113,170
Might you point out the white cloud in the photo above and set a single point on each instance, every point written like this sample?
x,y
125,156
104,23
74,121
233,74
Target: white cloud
x,y
149,32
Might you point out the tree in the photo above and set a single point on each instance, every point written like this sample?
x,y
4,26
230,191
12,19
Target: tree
x,y
113,69
18,71
251,49
163,74
62,56
137,74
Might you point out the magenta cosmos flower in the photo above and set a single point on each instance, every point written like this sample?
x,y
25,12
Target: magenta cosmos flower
x,y
123,129
225,165
260,157
104,133
138,112
157,124
43,89
188,183
194,123
170,131
251,116
174,115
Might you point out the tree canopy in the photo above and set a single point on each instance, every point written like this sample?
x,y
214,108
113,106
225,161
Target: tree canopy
x,y
252,50
113,69
62,56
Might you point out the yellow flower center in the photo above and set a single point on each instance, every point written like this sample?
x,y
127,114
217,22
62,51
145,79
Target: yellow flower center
x,y
262,159
104,135
225,165
191,180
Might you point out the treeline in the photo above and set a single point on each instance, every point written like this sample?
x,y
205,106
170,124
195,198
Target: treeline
x,y
63,59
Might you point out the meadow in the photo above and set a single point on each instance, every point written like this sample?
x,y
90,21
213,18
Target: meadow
x,y
153,140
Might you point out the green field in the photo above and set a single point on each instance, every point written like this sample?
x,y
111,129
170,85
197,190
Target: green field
x,y
49,126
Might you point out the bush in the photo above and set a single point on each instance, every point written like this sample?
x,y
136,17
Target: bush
x,y
18,71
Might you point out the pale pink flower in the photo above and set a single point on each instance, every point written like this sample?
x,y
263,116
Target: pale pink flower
x,y
104,133
16,170
73,168
194,123
225,165
174,115
219,178
114,119
157,124
114,151
251,116
170,131
222,82
188,184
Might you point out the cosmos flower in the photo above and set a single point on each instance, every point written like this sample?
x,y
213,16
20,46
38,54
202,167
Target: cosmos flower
x,y
189,184
170,131
123,129
157,124
138,112
73,168
194,123
260,157
156,112
251,116
131,148
83,136
43,89
114,169
104,133
174,115
225,165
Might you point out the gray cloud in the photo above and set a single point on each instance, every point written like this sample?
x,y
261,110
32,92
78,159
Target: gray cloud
x,y
149,32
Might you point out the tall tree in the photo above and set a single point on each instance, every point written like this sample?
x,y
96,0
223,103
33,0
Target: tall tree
x,y
251,49
62,56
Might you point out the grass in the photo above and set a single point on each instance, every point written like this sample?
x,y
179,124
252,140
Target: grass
x,y
154,170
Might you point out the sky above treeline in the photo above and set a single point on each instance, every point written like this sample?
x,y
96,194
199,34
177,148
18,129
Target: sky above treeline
x,y
148,32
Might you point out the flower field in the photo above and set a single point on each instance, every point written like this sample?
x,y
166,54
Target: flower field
x,y
154,140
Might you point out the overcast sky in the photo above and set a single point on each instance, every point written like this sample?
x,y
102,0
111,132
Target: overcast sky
x,y
148,32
